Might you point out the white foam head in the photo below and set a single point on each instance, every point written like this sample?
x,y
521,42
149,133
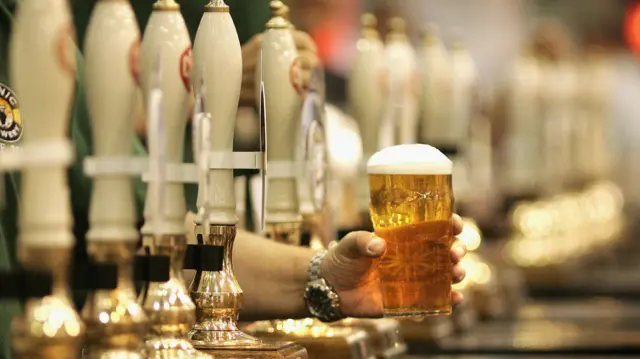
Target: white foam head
x,y
413,159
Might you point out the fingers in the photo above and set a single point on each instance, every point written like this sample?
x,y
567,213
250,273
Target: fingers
x,y
458,273
253,45
308,60
457,224
458,252
456,297
360,244
304,42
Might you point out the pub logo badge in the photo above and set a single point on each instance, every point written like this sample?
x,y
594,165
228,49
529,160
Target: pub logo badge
x,y
10,121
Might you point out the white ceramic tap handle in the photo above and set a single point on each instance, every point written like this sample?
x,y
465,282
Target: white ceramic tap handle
x,y
463,91
367,97
218,65
462,106
404,88
522,150
110,51
167,30
42,70
284,103
204,140
436,93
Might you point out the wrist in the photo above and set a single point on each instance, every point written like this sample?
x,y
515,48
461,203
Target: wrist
x,y
322,300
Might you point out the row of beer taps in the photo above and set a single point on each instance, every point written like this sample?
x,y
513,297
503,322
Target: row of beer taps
x,y
161,322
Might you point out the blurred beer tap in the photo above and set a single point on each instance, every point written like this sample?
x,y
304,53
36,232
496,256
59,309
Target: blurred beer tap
x,y
280,72
596,85
558,95
401,119
166,65
559,79
461,112
217,76
521,150
367,87
42,67
293,180
435,125
367,95
116,323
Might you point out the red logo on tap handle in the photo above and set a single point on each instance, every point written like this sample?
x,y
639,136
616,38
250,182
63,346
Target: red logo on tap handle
x,y
134,61
185,68
65,49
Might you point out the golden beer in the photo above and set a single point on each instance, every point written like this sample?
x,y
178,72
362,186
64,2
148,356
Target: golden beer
x,y
411,209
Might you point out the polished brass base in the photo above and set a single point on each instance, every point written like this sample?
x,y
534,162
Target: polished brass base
x,y
431,330
116,323
263,350
320,340
50,328
384,334
169,308
218,298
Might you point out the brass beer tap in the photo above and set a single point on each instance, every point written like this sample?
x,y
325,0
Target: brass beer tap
x,y
289,202
217,77
45,79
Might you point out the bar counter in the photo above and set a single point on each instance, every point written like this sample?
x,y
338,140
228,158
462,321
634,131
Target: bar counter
x,y
598,328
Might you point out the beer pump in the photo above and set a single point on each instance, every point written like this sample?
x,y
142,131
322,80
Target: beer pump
x,y
596,86
217,76
116,323
522,148
436,90
286,198
165,65
404,88
461,112
367,94
558,96
367,88
42,69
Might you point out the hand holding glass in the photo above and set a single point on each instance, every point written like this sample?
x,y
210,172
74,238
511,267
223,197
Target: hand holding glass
x,y
411,209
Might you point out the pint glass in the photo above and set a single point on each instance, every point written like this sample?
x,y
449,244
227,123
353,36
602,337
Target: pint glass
x,y
411,209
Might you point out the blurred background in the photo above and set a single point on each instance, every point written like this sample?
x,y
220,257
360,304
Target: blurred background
x,y
545,97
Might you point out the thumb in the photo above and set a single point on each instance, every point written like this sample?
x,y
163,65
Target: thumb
x,y
360,244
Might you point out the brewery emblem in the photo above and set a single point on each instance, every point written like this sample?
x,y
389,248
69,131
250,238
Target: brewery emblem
x,y
134,61
185,68
295,75
66,49
10,121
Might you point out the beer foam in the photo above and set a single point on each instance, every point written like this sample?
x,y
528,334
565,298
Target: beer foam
x,y
413,159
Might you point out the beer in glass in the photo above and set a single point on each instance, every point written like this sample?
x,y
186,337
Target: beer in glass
x,y
411,209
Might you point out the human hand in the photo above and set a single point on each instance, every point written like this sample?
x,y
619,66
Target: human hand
x,y
350,267
307,54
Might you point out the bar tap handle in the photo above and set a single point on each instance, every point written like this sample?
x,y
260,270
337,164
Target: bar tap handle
x,y
42,68
166,85
284,103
